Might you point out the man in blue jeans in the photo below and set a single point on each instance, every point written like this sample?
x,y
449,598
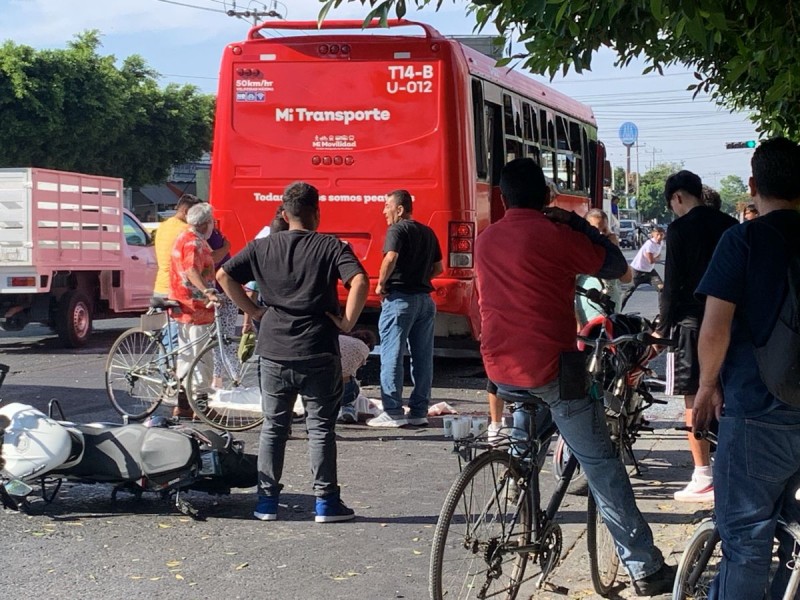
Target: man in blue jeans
x,y
526,264
757,465
297,272
411,257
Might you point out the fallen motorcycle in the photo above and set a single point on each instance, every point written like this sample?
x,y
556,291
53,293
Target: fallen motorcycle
x,y
159,456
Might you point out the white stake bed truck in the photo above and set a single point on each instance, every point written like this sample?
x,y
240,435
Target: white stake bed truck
x,y
69,252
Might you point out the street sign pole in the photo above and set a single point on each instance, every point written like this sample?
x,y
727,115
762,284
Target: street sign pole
x,y
628,135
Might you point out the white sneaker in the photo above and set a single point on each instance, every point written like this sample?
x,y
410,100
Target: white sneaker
x,y
696,491
387,420
493,432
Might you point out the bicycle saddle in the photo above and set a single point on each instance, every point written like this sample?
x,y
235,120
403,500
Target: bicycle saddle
x,y
163,303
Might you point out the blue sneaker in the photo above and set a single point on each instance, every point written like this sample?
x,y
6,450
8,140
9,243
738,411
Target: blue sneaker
x,y
331,509
267,508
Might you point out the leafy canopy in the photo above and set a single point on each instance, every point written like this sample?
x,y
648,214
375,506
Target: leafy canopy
x,y
74,110
745,53
650,202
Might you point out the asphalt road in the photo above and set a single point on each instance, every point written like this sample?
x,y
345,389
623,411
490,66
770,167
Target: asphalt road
x,y
84,546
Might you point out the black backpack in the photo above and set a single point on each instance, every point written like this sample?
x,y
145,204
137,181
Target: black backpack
x,y
779,358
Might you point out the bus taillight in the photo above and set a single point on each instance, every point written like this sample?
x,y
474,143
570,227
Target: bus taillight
x,y
461,243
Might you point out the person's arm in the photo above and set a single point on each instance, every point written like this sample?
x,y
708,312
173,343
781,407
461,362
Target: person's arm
x,y
437,269
712,346
387,268
356,298
218,254
614,266
238,296
247,321
191,256
672,275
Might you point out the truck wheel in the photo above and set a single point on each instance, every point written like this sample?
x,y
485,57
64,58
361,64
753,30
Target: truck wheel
x,y
74,319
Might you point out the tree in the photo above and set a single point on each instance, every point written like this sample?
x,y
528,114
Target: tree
x,y
650,201
74,110
619,180
733,192
745,53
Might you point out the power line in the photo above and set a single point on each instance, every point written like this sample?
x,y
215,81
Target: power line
x,y
192,6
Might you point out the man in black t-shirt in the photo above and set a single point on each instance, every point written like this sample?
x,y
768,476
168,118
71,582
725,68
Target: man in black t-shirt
x,y
297,272
411,257
691,240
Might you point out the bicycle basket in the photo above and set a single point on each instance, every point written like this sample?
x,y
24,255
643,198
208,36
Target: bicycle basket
x,y
153,322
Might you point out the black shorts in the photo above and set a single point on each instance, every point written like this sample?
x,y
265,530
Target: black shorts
x,y
491,387
686,371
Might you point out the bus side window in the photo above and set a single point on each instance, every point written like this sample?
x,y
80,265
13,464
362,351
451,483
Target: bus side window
x,y
512,128
479,130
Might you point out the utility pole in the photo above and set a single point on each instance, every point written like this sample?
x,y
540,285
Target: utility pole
x,y
256,14
653,163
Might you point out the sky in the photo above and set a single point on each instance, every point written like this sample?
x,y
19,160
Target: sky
x,y
183,40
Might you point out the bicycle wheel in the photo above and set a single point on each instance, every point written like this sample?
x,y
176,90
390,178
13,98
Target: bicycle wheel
x,y
603,557
234,402
578,486
700,562
482,521
135,373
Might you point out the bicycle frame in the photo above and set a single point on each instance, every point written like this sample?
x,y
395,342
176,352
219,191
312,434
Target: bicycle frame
x,y
542,518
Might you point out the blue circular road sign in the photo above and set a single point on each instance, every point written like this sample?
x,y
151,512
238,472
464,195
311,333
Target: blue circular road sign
x,y
628,133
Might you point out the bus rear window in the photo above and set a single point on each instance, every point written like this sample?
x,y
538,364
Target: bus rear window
x,y
316,106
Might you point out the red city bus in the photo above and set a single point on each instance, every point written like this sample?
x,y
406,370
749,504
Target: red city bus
x,y
360,115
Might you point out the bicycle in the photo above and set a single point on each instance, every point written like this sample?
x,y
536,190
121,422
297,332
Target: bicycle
x,y
501,523
492,518
700,561
141,373
620,377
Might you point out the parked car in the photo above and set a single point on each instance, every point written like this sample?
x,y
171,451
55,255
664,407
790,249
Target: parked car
x,y
627,229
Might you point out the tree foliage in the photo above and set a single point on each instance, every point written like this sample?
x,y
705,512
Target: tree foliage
x,y
745,53
74,110
733,192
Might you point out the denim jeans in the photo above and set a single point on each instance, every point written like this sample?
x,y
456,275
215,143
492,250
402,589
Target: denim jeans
x,y
319,381
351,391
406,319
757,466
582,423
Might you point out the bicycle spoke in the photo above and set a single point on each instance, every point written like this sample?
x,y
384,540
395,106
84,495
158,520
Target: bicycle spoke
x,y
233,401
136,374
478,531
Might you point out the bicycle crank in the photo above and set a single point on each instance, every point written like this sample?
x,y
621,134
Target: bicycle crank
x,y
550,553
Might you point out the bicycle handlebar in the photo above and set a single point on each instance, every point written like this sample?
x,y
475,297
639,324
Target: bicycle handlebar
x,y
604,301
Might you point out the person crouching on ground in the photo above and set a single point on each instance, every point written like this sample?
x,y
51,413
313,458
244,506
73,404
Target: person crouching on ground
x,y
355,349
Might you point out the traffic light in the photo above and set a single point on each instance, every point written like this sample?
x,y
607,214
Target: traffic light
x,y
736,145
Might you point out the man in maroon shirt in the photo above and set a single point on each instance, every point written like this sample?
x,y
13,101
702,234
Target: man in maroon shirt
x,y
526,265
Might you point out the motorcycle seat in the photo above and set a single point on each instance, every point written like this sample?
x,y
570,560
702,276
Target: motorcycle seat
x,y
120,453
